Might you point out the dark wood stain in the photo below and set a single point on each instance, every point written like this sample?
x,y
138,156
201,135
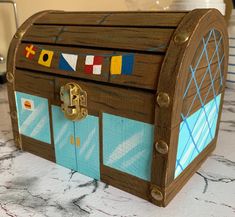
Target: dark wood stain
x,y
161,65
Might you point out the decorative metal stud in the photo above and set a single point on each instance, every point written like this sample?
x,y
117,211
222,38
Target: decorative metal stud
x,y
163,100
161,147
156,194
19,34
10,77
181,37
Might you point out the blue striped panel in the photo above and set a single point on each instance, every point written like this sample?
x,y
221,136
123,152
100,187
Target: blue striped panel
x,y
196,132
128,145
33,123
198,129
88,161
63,130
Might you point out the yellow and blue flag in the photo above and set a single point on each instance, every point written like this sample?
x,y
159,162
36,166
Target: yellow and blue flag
x,y
122,64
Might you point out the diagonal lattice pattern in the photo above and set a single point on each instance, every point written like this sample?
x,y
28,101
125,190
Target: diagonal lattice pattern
x,y
198,129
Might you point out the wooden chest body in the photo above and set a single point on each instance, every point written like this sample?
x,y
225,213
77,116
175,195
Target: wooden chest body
x,y
154,85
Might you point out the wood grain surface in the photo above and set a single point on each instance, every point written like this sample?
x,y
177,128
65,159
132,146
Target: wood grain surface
x,y
145,19
145,73
131,38
161,65
133,104
38,148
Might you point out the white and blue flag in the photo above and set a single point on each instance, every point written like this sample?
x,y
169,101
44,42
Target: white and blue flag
x,y
68,62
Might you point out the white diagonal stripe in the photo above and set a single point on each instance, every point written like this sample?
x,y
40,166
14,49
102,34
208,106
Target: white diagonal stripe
x,y
87,142
90,151
39,127
191,146
28,121
124,147
200,119
61,132
195,137
133,159
210,120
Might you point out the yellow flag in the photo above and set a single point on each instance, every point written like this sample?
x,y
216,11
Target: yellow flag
x,y
116,65
45,58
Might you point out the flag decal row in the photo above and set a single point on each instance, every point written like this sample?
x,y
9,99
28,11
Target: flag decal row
x,y
119,64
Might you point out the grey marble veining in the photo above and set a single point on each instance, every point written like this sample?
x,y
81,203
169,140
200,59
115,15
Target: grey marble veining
x,y
34,187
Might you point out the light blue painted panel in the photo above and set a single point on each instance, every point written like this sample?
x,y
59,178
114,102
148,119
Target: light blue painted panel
x,y
63,129
88,161
128,145
33,116
196,132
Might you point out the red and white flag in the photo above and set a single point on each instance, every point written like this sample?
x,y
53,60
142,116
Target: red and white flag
x,y
93,64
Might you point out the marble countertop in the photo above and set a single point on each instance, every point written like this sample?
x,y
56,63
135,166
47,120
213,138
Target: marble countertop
x,y
33,187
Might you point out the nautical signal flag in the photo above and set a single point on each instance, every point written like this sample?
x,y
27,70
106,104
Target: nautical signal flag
x,y
30,51
122,64
68,62
93,64
45,58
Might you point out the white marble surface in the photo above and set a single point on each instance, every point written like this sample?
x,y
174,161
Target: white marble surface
x,y
33,187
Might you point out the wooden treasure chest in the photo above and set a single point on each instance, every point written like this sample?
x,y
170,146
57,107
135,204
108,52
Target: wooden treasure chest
x,y
132,99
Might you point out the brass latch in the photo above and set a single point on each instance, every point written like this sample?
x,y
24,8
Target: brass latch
x,y
74,101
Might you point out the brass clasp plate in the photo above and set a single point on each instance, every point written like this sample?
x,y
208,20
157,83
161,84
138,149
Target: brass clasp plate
x,y
74,101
